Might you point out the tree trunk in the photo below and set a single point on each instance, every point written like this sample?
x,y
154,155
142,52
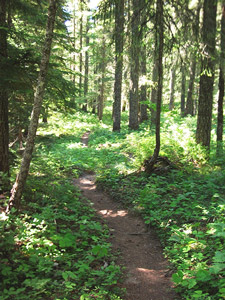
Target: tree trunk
x,y
102,82
74,41
20,138
119,32
134,66
143,68
220,112
172,86
4,126
221,83
183,89
204,120
143,92
160,38
94,101
86,68
154,88
73,67
45,114
190,103
18,187
189,110
81,55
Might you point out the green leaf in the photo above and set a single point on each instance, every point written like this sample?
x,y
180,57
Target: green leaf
x,y
203,275
219,229
100,251
177,277
67,241
217,268
191,283
219,256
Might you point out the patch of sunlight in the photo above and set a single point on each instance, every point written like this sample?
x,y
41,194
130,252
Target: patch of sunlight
x,y
108,145
143,80
113,214
121,167
75,146
153,275
188,230
3,216
180,134
104,126
193,4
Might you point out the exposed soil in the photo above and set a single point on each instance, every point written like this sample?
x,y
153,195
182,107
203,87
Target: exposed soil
x,y
140,250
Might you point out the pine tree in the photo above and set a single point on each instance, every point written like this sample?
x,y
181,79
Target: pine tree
x,y
4,126
119,37
221,83
204,121
159,59
18,187
134,65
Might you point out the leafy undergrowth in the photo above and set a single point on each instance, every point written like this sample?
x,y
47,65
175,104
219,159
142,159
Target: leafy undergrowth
x,y
56,248
186,206
189,215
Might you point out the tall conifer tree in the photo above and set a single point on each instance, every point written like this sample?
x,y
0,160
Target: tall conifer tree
x,y
4,126
204,121
159,59
134,65
18,187
119,36
221,82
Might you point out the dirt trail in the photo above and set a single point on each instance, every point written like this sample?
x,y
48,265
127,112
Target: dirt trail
x,y
141,252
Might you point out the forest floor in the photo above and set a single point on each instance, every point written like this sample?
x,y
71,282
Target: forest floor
x,y
140,250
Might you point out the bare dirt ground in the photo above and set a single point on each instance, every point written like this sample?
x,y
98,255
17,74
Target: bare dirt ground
x,y
140,250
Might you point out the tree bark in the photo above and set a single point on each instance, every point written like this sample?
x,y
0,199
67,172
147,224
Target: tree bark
x,y
94,102
154,88
81,55
86,68
160,41
102,82
74,41
143,91
134,66
190,103
143,67
221,83
4,126
18,186
204,120
119,32
172,86
189,110
183,90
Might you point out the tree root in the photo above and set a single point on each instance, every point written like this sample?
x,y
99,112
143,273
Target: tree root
x,y
161,166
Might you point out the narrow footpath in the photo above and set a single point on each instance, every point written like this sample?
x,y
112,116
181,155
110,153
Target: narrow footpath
x,y
139,248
